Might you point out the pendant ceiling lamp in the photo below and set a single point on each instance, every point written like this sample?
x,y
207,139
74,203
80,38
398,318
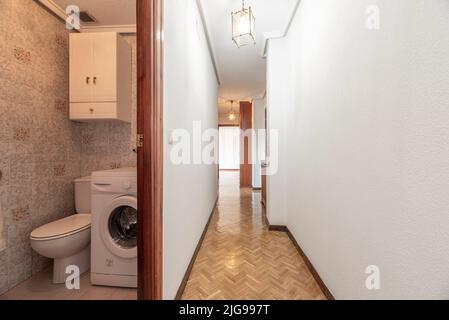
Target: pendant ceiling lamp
x,y
243,26
232,116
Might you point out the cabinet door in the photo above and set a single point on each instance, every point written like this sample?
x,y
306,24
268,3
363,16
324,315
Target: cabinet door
x,y
105,67
81,63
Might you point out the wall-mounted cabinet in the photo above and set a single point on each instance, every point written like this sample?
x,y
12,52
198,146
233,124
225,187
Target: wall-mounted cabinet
x,y
100,77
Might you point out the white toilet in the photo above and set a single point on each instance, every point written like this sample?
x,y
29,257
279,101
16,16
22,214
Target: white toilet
x,y
67,241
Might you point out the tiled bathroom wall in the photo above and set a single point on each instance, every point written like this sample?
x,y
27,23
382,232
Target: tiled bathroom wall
x,y
41,151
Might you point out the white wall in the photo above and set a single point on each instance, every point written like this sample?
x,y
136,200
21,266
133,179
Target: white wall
x,y
367,134
259,141
279,90
190,95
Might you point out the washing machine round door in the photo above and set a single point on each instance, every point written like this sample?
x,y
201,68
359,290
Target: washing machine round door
x,y
118,225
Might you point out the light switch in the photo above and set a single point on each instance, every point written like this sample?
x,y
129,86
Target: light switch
x,y
171,140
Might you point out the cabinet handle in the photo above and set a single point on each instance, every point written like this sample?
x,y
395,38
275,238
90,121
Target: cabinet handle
x,y
91,110
95,80
87,80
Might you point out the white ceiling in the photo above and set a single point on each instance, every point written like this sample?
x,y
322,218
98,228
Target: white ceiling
x,y
107,12
242,72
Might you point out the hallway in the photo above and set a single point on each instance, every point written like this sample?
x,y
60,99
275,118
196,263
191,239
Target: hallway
x,y
241,259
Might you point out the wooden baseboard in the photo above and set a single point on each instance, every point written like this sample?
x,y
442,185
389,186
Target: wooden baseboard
x,y
186,277
309,264
311,268
272,227
277,228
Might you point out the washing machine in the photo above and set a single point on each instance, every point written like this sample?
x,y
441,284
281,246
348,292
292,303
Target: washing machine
x,y
114,228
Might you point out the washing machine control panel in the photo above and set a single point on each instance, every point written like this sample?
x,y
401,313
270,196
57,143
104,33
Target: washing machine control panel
x,y
110,185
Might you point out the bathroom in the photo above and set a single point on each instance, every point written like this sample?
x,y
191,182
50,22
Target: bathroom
x,y
44,144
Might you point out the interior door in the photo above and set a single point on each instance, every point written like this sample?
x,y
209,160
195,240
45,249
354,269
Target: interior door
x,y
246,123
105,67
81,63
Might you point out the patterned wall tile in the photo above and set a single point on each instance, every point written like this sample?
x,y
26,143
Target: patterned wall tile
x,y
21,213
19,261
59,170
39,262
87,138
22,55
61,40
5,135
18,233
22,134
4,170
21,172
3,272
4,123
40,147
115,165
61,105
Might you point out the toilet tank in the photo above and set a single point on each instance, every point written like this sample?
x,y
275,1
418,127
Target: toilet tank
x,y
82,195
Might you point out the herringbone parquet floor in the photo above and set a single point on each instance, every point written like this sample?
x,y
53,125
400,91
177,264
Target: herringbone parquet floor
x,y
241,259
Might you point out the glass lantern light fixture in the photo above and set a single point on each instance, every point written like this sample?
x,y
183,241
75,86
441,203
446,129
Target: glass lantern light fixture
x,y
232,114
243,26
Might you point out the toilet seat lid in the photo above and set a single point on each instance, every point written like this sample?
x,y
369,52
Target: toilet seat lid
x,y
64,227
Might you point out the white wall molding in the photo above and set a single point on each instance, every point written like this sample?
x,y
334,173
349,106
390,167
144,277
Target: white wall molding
x,y
209,43
53,7
277,35
113,28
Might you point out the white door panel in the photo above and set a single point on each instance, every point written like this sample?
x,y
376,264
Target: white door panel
x,y
105,67
81,63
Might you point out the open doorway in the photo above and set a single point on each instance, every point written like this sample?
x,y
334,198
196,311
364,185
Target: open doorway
x,y
229,156
229,144
242,142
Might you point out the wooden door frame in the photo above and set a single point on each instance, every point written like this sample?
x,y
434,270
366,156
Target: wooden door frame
x,y
246,143
263,169
150,150
228,125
